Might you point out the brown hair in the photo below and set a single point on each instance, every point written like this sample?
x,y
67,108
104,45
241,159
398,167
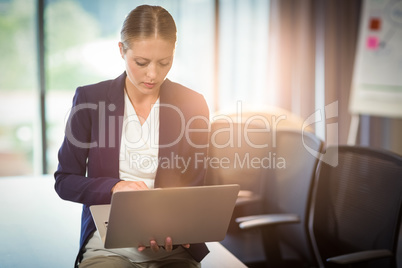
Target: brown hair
x,y
147,21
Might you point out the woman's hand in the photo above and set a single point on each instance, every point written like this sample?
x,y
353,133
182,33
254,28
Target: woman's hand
x,y
122,186
168,245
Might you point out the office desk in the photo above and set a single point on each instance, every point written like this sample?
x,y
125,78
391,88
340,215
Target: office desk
x,y
38,229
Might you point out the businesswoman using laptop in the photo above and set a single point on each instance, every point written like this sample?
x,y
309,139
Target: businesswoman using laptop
x,y
133,133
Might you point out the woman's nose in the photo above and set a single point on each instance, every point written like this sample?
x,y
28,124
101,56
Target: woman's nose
x,y
152,71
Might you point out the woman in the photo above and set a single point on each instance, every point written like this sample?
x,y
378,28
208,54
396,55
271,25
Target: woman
x,y
121,133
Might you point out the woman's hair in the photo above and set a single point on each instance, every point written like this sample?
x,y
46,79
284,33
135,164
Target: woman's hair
x,y
148,21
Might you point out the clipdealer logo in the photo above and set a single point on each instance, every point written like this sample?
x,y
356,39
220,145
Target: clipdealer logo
x,y
271,160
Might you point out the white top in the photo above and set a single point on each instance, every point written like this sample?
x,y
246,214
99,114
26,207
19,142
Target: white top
x,y
139,145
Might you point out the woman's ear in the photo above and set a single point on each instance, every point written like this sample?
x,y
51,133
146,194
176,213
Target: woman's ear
x,y
121,47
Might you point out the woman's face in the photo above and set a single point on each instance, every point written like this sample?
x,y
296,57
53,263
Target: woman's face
x,y
148,62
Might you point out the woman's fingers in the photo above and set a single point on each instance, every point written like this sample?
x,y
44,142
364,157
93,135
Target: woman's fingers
x,y
168,244
141,248
154,246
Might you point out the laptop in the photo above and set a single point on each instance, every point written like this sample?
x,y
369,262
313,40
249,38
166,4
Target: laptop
x,y
186,214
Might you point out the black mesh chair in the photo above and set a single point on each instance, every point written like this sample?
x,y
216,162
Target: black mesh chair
x,y
283,224
356,207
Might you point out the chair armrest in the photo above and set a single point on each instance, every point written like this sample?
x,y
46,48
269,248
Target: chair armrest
x,y
249,218
247,197
266,220
361,256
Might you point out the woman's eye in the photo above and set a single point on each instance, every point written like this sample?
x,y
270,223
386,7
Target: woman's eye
x,y
164,63
141,64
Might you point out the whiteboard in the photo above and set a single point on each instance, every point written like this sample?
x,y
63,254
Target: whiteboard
x,y
377,78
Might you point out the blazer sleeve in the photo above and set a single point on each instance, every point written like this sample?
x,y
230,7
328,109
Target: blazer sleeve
x,y
71,182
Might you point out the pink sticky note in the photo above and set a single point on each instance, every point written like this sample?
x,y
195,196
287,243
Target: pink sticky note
x,y
372,42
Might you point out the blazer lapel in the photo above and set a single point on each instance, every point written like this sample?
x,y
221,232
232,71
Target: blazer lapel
x,y
170,134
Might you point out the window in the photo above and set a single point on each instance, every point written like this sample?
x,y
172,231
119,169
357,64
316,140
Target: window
x,y
19,121
243,53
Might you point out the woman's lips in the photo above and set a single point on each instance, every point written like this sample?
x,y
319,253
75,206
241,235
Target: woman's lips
x,y
149,85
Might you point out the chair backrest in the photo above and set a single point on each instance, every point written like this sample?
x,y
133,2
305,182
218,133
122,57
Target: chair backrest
x,y
236,154
356,204
275,117
288,191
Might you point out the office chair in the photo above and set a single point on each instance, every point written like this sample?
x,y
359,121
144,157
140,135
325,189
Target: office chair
x,y
284,223
265,121
234,152
356,207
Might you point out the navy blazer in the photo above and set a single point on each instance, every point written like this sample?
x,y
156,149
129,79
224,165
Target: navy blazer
x,y
89,155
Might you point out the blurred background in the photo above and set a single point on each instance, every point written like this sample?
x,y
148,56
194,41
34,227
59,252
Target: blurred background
x,y
296,55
